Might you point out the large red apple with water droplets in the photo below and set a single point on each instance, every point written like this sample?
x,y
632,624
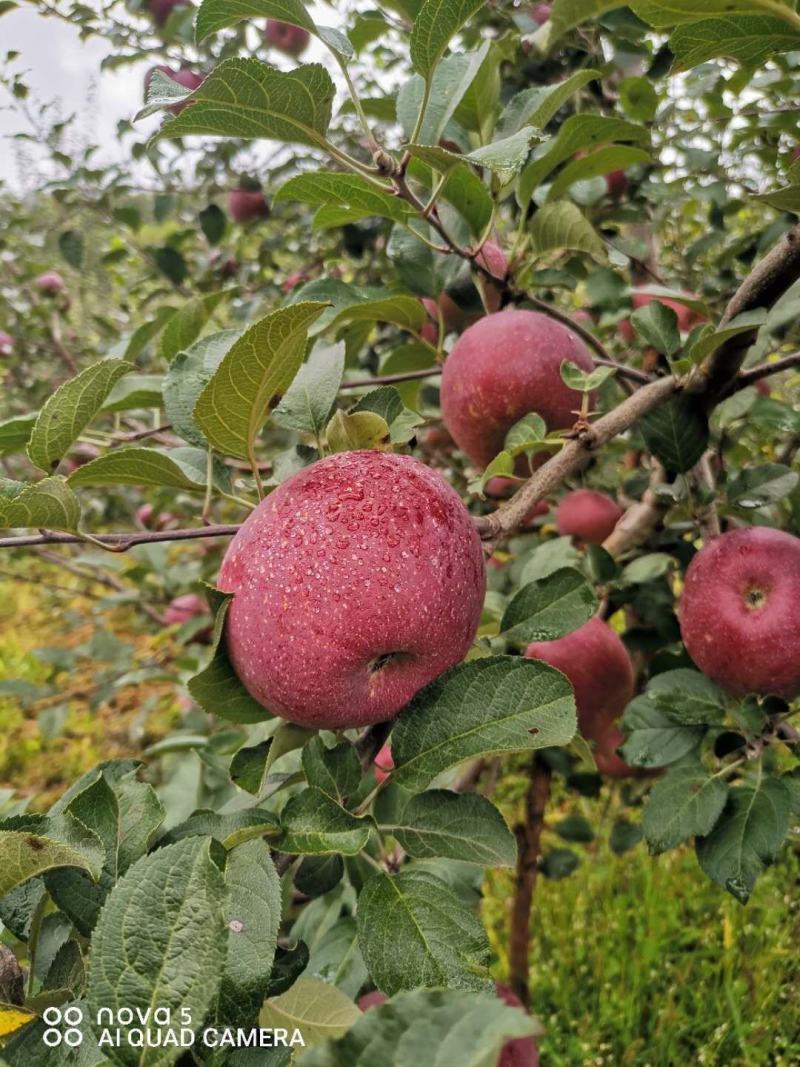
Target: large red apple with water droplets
x,y
357,582
740,611
505,366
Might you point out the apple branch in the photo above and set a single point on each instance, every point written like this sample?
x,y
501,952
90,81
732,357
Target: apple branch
x,y
528,834
763,370
120,542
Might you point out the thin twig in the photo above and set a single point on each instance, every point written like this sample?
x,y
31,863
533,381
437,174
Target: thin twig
x,y
120,542
763,370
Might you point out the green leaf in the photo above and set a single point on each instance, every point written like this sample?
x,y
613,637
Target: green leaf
x,y
436,24
413,931
567,14
562,226
585,381
359,430
501,466
213,223
26,855
468,1029
70,244
685,803
749,40
170,262
314,824
603,161
484,707
465,191
336,957
676,432
188,375
398,308
505,157
647,568
527,434
638,98
307,403
747,836
135,391
786,199
248,767
70,409
460,826
15,433
230,830
665,13
342,198
320,1011
249,99
217,688
254,374
186,325
336,771
49,504
707,343
177,468
755,487
658,325
160,941
578,132
253,915
452,79
537,106
549,608
687,697
654,739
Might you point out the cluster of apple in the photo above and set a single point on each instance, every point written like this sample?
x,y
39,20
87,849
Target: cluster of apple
x,y
368,564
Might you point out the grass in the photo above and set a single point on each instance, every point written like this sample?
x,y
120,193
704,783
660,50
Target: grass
x,y
639,961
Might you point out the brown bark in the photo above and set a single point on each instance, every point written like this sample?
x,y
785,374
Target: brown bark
x,y
529,837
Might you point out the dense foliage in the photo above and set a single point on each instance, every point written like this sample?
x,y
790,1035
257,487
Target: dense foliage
x,y
452,192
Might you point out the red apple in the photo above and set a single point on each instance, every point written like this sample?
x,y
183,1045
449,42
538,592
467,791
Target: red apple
x,y
6,343
293,40
540,13
761,387
355,583
50,283
521,1051
244,205
384,765
740,611
494,259
162,9
293,280
616,184
505,366
587,515
183,608
601,672
430,329
373,999
687,317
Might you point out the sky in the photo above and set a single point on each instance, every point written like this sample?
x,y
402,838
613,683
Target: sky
x,y
59,66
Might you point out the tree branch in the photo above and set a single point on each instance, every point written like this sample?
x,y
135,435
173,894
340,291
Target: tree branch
x,y
120,542
640,519
529,835
763,370
766,283
573,456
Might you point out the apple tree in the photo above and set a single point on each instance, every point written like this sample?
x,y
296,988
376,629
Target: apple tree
x,y
498,469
